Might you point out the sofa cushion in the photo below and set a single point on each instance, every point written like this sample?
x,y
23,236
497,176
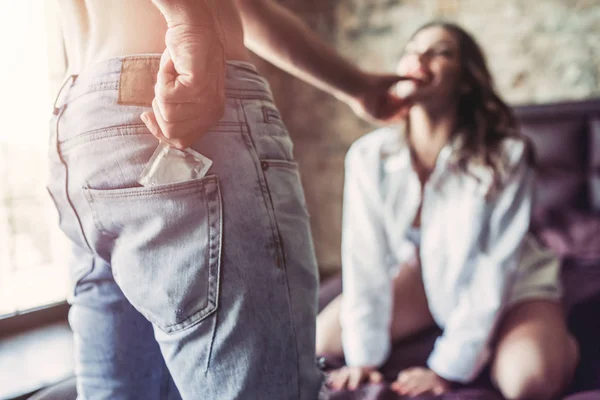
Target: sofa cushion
x,y
551,137
566,137
561,179
585,325
594,189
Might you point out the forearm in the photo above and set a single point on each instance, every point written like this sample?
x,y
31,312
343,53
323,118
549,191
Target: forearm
x,y
275,34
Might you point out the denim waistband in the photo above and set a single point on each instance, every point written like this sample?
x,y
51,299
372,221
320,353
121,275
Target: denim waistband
x,y
242,79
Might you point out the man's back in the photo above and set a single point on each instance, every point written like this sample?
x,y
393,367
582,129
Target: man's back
x,y
98,30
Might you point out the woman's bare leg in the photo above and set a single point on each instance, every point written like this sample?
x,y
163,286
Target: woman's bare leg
x,y
411,313
535,355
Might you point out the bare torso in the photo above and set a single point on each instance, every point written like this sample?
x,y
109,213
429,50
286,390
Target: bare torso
x,y
97,30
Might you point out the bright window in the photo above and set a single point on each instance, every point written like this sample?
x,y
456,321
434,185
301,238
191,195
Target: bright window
x,y
33,252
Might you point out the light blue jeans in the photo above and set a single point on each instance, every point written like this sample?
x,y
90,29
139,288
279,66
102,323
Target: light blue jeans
x,y
210,284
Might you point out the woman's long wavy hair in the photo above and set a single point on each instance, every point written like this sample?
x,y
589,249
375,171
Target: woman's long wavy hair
x,y
484,120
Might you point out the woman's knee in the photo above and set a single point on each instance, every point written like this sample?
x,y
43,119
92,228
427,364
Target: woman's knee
x,y
535,356
523,371
529,386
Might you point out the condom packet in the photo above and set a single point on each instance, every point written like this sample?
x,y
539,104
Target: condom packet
x,y
171,165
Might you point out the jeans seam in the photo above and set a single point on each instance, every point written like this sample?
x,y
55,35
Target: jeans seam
x,y
66,180
129,130
82,277
212,304
242,94
103,133
92,88
281,163
187,187
264,188
217,285
279,247
55,205
95,218
276,231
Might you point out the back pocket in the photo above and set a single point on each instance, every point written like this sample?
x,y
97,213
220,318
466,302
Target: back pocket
x,y
165,246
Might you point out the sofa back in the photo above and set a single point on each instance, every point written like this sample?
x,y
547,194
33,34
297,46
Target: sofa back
x,y
566,139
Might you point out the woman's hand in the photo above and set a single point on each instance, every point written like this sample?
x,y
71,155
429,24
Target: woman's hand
x,y
377,101
418,380
351,377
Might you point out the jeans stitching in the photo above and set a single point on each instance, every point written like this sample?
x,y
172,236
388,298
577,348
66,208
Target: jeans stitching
x,y
130,130
66,180
242,94
216,276
279,245
187,187
103,133
55,205
281,163
55,146
211,307
91,88
95,218
264,188
200,315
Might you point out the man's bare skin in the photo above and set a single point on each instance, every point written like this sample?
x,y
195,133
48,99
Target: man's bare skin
x,y
98,30
196,37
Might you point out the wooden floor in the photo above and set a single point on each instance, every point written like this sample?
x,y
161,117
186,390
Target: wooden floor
x,y
35,359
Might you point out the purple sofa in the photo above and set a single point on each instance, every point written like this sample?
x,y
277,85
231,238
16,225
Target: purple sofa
x,y
566,138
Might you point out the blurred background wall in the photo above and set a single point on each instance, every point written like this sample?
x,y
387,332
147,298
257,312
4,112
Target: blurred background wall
x,y
538,51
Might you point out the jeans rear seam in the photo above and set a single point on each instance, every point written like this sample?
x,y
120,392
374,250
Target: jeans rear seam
x,y
66,183
262,183
278,243
217,286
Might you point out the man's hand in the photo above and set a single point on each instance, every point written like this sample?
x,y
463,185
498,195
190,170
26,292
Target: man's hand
x,y
351,377
377,101
418,380
190,88
273,32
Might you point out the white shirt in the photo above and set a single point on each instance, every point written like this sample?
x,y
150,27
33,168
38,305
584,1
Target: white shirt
x,y
470,248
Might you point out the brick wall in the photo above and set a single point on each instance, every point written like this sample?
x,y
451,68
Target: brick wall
x,y
538,51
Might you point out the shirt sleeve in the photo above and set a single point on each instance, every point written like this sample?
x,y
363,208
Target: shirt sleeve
x,y
464,348
366,309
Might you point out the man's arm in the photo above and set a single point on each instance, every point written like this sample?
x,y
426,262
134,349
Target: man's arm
x,y
191,76
192,70
188,12
280,37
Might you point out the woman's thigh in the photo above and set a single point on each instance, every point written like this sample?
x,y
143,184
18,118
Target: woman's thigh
x,y
535,354
411,312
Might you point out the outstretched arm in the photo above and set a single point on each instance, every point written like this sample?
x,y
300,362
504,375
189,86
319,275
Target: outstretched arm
x,y
192,70
280,37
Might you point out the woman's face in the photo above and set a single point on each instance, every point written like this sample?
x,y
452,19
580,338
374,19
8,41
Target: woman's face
x,y
432,58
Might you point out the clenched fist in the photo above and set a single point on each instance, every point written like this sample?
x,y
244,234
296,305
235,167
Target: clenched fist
x,y
190,87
